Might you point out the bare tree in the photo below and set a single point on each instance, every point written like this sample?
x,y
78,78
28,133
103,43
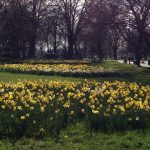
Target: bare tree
x,y
72,12
138,20
37,9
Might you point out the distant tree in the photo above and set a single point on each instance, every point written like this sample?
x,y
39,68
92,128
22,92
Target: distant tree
x,y
101,29
73,12
37,10
138,20
13,32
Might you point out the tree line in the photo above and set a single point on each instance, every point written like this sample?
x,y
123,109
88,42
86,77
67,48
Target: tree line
x,y
79,28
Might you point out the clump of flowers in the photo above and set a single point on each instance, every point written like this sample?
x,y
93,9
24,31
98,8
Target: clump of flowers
x,y
29,106
59,69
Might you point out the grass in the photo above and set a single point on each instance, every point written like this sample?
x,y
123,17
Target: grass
x,y
76,138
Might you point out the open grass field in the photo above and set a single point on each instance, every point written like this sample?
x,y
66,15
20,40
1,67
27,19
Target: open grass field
x,y
76,136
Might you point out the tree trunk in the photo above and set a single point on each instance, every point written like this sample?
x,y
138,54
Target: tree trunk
x,y
139,50
99,51
76,50
115,53
55,46
55,38
70,48
32,48
23,51
15,51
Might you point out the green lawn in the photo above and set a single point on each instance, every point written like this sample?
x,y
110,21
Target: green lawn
x,y
76,138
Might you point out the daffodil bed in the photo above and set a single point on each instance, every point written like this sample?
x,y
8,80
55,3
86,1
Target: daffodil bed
x,y
36,108
47,61
82,70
